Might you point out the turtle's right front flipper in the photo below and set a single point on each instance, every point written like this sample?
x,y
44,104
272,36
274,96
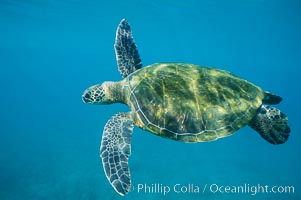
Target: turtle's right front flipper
x,y
115,149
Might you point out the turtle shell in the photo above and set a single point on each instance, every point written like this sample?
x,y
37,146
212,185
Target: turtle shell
x,y
190,103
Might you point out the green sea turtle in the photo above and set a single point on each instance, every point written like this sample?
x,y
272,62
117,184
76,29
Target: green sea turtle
x,y
183,102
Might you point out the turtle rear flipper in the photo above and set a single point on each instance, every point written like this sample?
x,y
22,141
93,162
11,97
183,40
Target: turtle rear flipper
x,y
271,98
271,124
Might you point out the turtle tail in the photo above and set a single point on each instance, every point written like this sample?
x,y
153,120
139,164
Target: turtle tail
x,y
270,98
271,124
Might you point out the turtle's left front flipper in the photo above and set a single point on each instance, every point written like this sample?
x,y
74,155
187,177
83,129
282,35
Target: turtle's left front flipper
x,y
115,149
127,56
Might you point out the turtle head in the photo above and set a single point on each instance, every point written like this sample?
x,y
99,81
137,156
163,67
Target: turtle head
x,y
98,94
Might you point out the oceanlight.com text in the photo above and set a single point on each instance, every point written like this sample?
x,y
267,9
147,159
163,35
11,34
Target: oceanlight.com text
x,y
250,189
190,188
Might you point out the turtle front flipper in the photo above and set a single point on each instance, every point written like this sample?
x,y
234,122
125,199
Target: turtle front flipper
x,y
127,56
115,149
271,124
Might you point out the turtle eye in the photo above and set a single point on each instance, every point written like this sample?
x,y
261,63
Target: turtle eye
x,y
94,95
99,95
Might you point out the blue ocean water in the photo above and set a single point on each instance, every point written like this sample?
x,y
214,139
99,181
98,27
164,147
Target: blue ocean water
x,y
50,51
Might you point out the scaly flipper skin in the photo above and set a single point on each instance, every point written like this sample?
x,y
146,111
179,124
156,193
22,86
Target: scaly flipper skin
x,y
127,56
271,124
115,149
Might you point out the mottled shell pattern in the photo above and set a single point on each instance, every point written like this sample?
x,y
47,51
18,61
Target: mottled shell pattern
x,y
190,103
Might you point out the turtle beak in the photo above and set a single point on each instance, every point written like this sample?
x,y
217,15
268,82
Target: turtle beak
x,y
86,97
